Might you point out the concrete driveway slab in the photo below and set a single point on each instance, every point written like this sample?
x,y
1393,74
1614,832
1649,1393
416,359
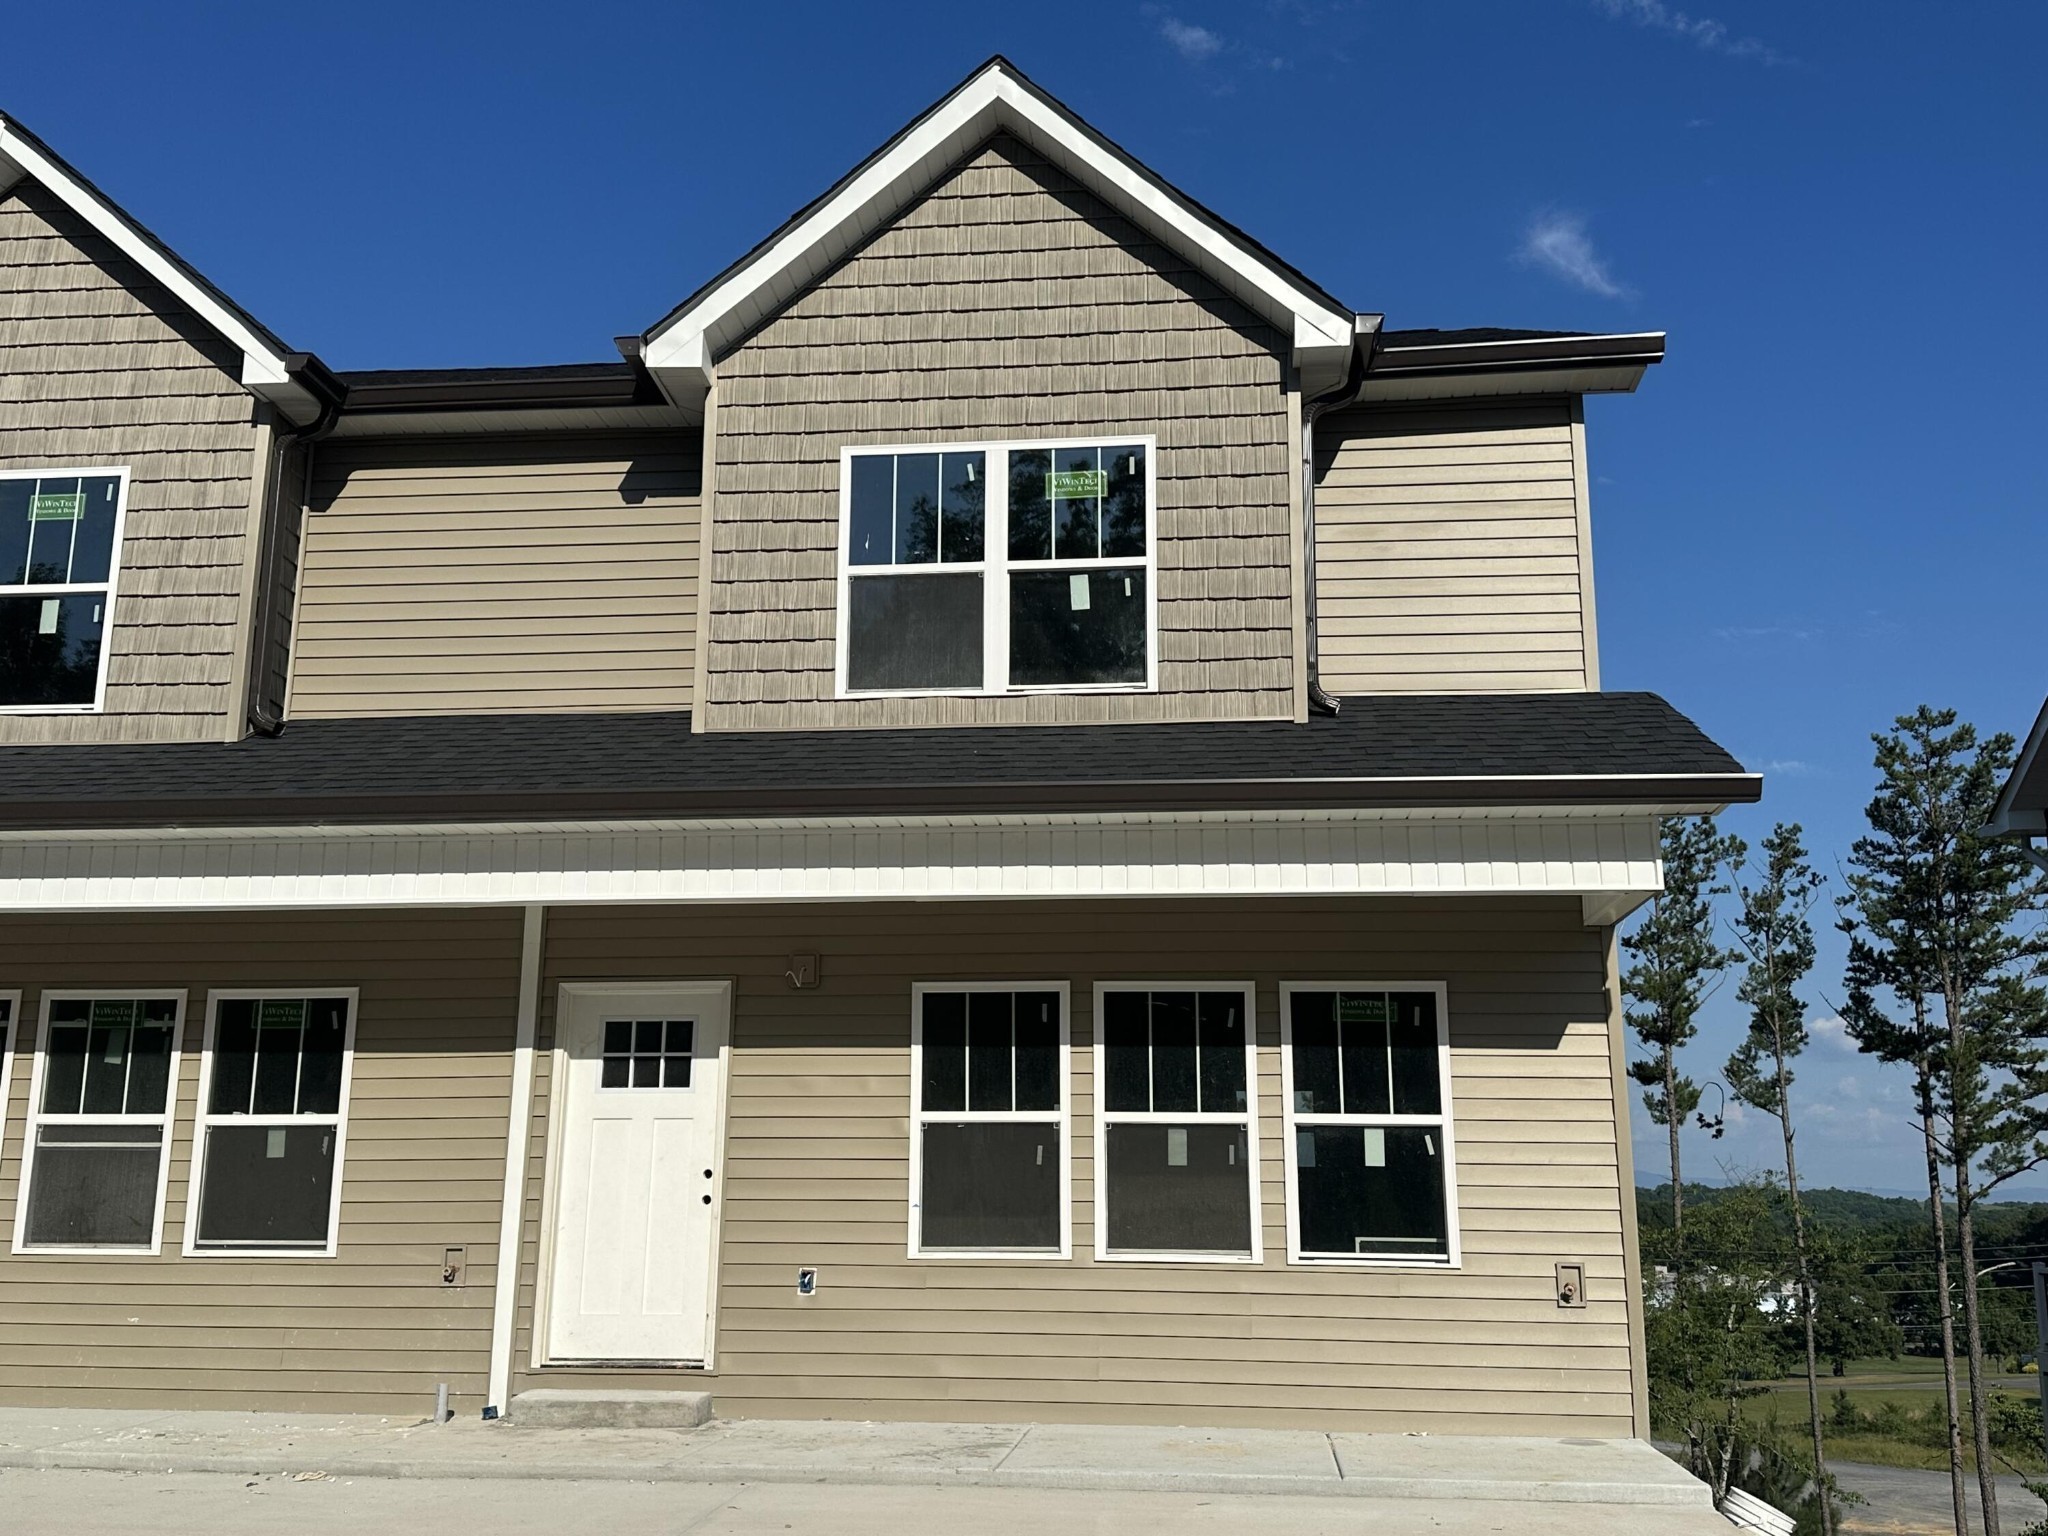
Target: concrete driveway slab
x,y
34,1429
1514,1467
205,1504
1080,1455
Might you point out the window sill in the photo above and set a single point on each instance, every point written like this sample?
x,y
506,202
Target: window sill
x,y
52,709
261,1253
1016,1256
1055,690
126,1250
1339,1261
1237,1260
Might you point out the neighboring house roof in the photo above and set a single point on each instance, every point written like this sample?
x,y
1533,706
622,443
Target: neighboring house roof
x,y
2022,808
297,383
1605,749
681,348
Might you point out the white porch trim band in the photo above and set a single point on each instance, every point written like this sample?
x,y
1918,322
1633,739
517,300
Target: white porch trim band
x,y
1607,857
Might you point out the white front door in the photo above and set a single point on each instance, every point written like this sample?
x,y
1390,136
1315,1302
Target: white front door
x,y
636,1186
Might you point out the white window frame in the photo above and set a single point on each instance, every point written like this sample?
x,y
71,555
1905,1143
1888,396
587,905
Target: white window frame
x,y
203,1119
59,589
1291,1120
1063,1117
1248,1118
37,1119
995,567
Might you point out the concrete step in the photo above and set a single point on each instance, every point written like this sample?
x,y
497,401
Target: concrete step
x,y
618,1408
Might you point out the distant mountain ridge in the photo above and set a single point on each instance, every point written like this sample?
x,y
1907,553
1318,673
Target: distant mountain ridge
x,y
1841,1210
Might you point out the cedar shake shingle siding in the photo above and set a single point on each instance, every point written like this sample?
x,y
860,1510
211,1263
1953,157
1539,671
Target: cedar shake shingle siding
x,y
1006,304
101,366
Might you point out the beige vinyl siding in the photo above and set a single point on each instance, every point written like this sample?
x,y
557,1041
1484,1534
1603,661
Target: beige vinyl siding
x,y
1450,550
464,576
1007,304
816,1170
371,1330
101,366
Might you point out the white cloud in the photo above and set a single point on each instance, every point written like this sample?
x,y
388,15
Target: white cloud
x,y
1191,42
1702,32
1558,243
1833,1033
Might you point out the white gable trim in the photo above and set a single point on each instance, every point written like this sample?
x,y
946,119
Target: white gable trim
x,y
264,373
2008,819
679,351
1608,858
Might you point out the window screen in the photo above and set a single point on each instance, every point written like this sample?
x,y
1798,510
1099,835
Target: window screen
x,y
57,536
270,1128
1177,1122
988,1112
1059,597
100,1130
1370,1148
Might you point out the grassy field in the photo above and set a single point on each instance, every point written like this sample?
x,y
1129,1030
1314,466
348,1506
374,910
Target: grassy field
x,y
1899,1417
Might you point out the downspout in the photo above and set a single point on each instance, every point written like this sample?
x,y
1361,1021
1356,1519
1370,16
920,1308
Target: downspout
x,y
331,393
1365,341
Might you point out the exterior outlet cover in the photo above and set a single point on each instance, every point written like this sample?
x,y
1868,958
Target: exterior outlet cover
x,y
453,1262
802,972
1571,1285
807,1282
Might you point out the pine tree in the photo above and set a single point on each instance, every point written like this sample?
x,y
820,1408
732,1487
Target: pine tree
x,y
1776,939
1676,966
1944,975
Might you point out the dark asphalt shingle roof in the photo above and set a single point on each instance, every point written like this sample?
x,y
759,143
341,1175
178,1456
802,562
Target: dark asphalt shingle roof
x,y
1606,748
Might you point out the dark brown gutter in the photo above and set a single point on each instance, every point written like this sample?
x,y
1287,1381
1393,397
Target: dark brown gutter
x,y
1638,349
468,389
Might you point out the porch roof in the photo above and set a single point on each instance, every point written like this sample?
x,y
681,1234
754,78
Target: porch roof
x,y
1393,751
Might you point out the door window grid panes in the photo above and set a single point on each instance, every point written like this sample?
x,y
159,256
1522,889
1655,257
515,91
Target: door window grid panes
x,y
1177,1133
989,1155
998,568
1370,1154
99,1125
269,1143
646,1053
59,535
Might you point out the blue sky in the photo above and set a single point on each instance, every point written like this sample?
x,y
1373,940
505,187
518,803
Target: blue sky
x,y
1825,508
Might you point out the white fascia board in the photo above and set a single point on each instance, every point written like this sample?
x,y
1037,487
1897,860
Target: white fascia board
x,y
993,99
263,370
1609,859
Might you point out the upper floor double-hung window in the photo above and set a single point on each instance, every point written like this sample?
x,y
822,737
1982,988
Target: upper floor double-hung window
x,y
998,568
59,530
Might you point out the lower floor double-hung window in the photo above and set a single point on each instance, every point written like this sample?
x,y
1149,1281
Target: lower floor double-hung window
x,y
1370,1164
989,1120
272,1110
1177,1129
98,1141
